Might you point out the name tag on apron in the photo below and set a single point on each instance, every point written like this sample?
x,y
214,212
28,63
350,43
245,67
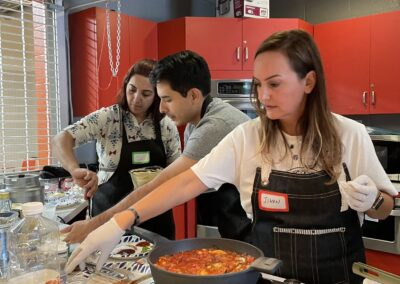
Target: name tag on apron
x,y
273,201
139,158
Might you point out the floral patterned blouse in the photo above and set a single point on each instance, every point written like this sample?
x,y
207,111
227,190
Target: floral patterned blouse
x,y
104,127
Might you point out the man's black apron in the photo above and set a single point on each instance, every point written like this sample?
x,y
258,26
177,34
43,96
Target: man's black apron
x,y
120,184
297,219
206,204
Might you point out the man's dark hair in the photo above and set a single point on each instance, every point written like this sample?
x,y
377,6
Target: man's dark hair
x,y
183,71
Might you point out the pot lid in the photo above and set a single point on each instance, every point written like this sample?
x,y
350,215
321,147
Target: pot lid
x,y
21,181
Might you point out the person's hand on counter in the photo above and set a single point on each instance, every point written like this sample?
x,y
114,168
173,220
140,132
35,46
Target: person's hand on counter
x,y
86,179
78,231
103,239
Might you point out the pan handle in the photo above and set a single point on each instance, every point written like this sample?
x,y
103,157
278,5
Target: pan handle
x,y
154,238
266,264
373,273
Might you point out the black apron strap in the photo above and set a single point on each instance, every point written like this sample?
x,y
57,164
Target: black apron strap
x,y
157,129
207,100
230,218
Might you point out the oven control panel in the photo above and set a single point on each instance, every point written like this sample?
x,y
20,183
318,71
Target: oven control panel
x,y
231,88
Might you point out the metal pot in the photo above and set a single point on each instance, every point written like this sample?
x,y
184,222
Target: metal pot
x,y
248,276
24,188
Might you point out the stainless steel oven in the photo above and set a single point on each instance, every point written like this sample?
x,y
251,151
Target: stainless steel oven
x,y
384,235
235,92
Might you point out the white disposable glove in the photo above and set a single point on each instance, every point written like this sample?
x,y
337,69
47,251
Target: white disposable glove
x,y
359,193
103,239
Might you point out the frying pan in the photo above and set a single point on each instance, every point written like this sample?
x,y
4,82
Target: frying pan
x,y
248,276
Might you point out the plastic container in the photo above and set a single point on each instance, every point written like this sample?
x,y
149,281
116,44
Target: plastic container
x,y
33,247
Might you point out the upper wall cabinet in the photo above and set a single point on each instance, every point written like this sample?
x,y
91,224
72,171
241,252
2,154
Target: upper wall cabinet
x,y
362,63
255,31
92,83
228,44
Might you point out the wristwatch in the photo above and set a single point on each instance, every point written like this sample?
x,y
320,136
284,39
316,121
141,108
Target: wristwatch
x,y
137,217
378,201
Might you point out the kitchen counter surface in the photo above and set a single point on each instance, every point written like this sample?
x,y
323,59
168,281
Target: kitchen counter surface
x,y
67,214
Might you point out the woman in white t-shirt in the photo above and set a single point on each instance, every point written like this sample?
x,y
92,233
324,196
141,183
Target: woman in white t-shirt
x,y
305,176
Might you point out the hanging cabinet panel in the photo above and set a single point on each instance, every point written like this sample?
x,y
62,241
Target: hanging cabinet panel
x,y
385,63
362,62
345,48
142,39
92,84
218,40
255,31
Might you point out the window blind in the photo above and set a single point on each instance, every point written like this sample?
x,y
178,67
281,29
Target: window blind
x,y
29,84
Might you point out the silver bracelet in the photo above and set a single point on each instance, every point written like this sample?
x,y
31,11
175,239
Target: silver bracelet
x,y
137,217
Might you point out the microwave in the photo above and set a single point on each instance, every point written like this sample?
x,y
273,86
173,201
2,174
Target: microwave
x,y
387,148
384,235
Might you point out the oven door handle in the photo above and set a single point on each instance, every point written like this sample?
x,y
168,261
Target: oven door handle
x,y
239,103
395,212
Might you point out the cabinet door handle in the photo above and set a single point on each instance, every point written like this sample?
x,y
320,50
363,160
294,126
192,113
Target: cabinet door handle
x,y
364,98
238,53
246,53
373,98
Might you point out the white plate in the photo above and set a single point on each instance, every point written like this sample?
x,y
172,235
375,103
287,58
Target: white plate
x,y
131,247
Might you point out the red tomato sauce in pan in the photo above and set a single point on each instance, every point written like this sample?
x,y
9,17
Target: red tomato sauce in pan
x,y
208,261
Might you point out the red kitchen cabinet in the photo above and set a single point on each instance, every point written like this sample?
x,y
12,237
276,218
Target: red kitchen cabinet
x,y
142,39
218,40
361,62
385,62
92,84
257,30
345,48
227,44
